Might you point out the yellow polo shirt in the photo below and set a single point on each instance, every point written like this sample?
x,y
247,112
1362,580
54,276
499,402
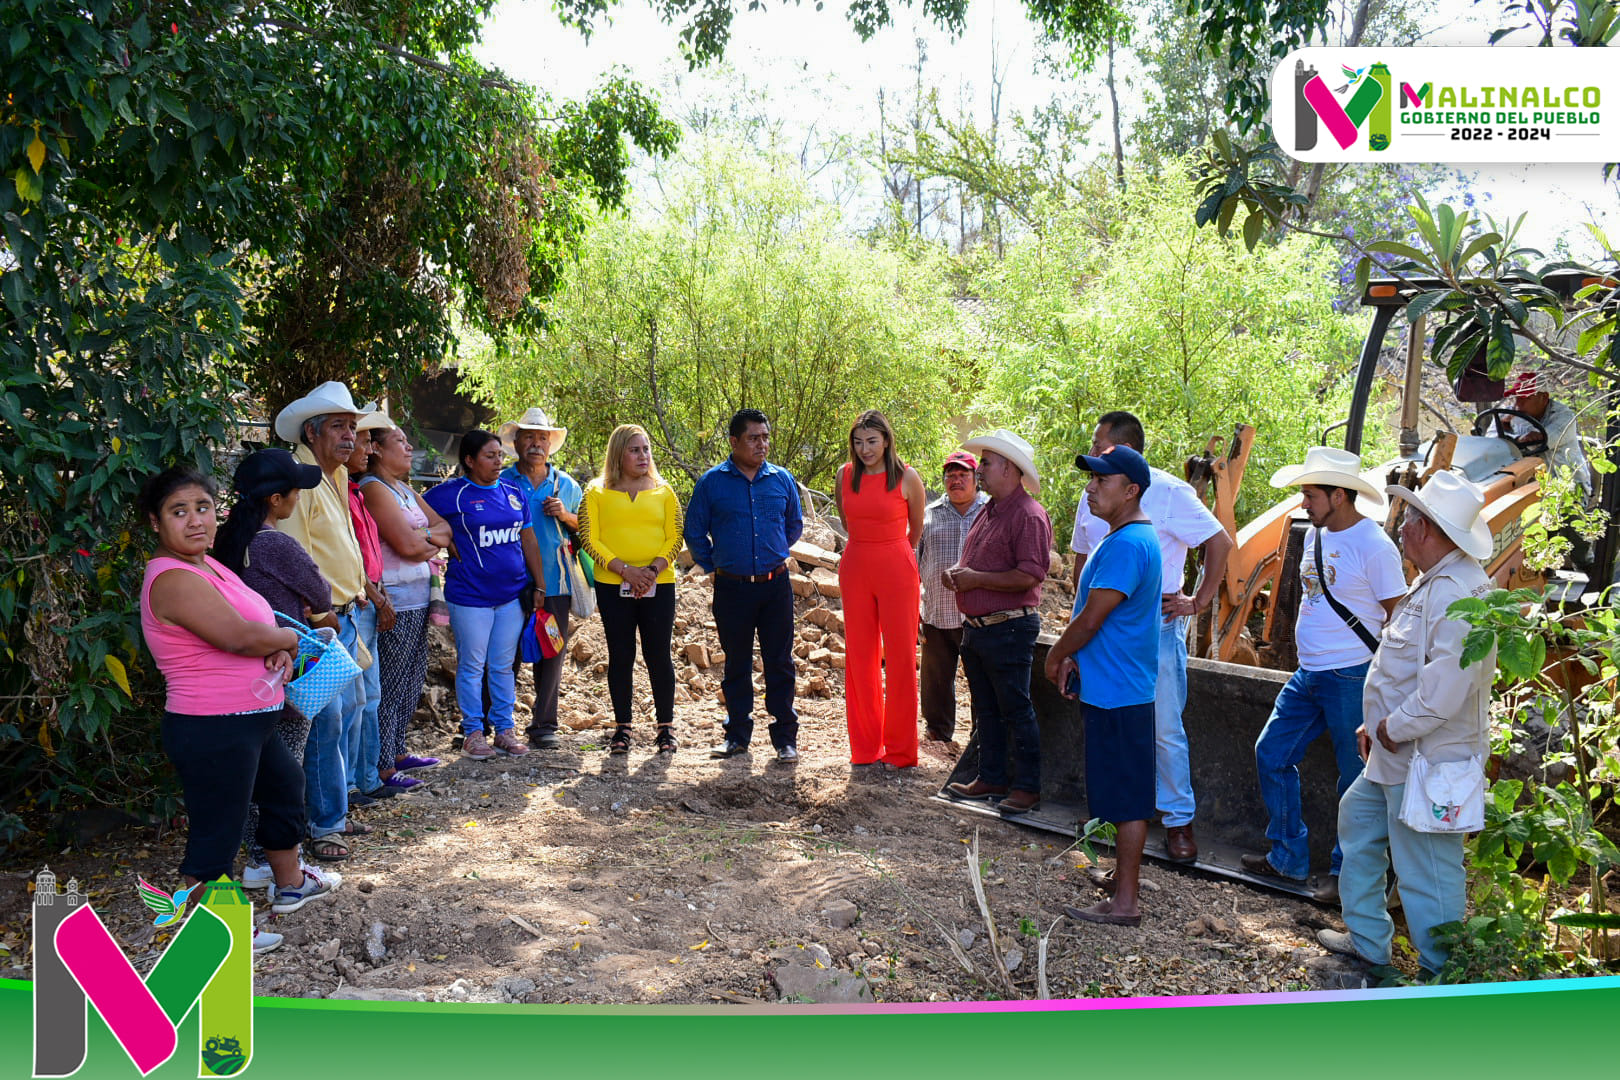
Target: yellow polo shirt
x,y
321,524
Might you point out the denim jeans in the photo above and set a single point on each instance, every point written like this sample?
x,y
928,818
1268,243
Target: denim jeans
x,y
1171,766
362,745
1310,703
743,609
486,642
326,791
1428,866
997,662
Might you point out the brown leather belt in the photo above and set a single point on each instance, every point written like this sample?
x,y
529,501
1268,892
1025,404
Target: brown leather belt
x,y
997,617
755,578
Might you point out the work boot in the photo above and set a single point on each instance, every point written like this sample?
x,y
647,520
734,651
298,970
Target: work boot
x,y
978,790
1179,842
1019,802
1260,866
1328,891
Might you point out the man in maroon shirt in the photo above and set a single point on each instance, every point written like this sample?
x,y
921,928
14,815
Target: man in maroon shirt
x,y
997,583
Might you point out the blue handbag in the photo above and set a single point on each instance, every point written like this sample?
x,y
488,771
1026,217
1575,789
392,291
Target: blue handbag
x,y
321,668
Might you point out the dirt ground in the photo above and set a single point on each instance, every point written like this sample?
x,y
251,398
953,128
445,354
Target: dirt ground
x,y
574,876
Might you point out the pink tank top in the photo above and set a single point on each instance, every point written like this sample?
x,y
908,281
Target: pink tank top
x,y
203,680
875,514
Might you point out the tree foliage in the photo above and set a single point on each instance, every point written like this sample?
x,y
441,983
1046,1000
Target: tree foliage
x,y
1174,324
203,193
745,293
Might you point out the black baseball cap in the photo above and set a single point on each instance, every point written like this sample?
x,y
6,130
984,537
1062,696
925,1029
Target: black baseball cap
x,y
1120,459
273,471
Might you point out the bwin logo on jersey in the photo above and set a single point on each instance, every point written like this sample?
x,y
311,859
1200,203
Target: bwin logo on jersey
x,y
490,537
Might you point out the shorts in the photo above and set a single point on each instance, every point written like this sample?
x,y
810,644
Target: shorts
x,y
1119,762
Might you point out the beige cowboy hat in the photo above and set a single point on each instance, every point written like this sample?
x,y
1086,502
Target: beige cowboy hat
x,y
535,420
1014,449
1454,504
377,421
327,398
1326,466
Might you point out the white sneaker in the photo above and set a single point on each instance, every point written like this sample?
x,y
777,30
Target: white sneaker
x,y
317,884
257,877
265,941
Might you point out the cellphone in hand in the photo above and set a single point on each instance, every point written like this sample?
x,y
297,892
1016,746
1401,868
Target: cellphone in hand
x,y
626,591
1072,686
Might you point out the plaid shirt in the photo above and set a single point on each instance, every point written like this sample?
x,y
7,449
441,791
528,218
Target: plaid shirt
x,y
943,531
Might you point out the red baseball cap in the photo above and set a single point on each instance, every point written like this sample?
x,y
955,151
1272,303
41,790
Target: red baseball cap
x,y
962,459
1524,384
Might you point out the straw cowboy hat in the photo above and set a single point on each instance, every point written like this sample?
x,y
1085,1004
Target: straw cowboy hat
x,y
327,398
377,421
1454,504
1014,449
1327,467
535,420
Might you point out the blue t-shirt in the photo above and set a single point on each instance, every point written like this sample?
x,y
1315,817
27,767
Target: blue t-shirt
x,y
548,531
1119,666
487,523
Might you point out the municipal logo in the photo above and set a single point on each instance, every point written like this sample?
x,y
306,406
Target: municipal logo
x,y
1447,105
208,966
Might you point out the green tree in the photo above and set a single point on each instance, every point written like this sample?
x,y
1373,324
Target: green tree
x,y
210,202
1174,324
745,292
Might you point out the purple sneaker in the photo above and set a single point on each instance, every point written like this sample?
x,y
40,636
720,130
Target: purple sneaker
x,y
411,761
401,783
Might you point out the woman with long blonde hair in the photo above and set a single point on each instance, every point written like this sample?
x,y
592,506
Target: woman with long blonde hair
x,y
630,523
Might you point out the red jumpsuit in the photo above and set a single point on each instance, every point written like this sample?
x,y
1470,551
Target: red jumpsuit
x,y
877,578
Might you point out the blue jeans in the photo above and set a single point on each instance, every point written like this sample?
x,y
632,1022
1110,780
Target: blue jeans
x,y
997,660
742,611
1429,867
1171,765
326,791
362,745
1310,703
486,643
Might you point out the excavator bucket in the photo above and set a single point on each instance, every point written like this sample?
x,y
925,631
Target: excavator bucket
x,y
1227,705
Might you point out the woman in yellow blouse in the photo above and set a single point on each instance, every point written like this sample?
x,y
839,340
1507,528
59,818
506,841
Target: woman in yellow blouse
x,y
630,522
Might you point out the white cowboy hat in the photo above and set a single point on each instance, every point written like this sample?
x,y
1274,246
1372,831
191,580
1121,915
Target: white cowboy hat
x,y
535,420
1326,466
329,397
1014,449
1454,504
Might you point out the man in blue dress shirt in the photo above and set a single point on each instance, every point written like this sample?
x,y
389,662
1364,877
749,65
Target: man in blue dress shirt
x,y
743,517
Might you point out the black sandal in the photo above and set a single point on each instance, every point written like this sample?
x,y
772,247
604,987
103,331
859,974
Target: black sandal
x,y
620,743
666,739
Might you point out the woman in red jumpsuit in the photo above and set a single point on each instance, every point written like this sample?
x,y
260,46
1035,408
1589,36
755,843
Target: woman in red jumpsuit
x,y
880,502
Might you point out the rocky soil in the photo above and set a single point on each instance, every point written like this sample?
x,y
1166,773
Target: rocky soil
x,y
573,876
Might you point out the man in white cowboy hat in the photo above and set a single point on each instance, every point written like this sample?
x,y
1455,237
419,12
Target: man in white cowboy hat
x,y
554,499
1182,522
1418,696
1350,577
997,582
322,425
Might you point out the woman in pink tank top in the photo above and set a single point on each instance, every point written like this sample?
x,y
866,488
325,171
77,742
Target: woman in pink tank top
x,y
880,501
213,638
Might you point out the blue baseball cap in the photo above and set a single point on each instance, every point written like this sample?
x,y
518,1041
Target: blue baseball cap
x,y
1118,459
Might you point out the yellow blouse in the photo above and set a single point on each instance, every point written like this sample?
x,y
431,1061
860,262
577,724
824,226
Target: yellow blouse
x,y
612,525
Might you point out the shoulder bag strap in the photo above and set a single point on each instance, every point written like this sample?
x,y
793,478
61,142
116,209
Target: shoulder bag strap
x,y
1368,638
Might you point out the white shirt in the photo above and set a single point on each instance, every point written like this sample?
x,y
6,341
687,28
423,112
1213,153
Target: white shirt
x,y
1563,441
1363,568
1179,517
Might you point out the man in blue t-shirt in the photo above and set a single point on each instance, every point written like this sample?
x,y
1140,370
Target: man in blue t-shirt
x,y
1111,650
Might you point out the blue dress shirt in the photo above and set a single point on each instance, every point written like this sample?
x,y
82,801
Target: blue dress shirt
x,y
548,532
743,526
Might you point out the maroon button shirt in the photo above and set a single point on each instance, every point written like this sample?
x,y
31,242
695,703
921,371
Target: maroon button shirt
x,y
1009,534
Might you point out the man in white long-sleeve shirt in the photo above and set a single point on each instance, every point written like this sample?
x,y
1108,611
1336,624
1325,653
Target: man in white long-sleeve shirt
x,y
1417,695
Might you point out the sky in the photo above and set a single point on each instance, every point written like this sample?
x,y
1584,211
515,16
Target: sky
x,y
819,77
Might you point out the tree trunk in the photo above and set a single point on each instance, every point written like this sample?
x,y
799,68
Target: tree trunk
x,y
1113,100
